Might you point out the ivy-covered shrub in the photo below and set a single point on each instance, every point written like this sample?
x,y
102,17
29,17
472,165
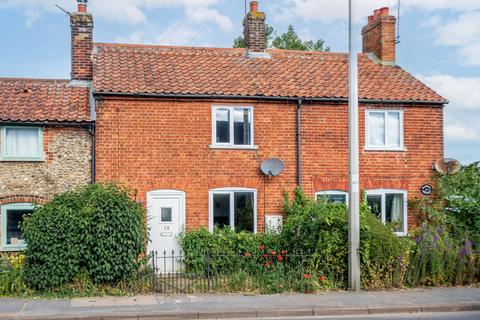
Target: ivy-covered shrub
x,y
97,228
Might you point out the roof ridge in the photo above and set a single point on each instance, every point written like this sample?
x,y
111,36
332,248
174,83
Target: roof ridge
x,y
160,46
224,49
33,79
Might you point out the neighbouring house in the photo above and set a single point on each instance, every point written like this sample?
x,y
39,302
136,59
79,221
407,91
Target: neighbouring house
x,y
187,128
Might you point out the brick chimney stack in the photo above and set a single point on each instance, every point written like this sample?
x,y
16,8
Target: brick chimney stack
x,y
81,23
254,29
379,36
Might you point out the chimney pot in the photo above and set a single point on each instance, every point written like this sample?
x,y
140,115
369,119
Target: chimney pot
x,y
254,6
379,36
81,24
254,29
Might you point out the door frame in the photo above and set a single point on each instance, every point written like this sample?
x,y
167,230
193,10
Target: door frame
x,y
167,194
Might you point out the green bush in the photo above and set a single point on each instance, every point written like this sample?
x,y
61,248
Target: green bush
x,y
313,250
97,228
322,229
461,195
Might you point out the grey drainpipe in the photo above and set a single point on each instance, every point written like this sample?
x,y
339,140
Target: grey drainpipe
x,y
299,145
91,130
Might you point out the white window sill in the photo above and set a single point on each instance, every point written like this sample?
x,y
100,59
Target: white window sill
x,y
13,248
233,147
385,149
401,234
21,159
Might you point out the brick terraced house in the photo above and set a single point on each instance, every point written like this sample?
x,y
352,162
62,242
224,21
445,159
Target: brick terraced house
x,y
45,147
188,128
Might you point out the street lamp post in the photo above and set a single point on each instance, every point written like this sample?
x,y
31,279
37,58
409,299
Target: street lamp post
x,y
354,177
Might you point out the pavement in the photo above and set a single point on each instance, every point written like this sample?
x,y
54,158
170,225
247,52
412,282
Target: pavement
x,y
222,306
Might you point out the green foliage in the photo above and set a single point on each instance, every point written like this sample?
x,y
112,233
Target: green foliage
x,y
11,275
310,253
461,196
439,259
286,41
323,228
97,229
291,41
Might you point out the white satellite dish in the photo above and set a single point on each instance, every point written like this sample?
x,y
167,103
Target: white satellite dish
x,y
272,167
447,166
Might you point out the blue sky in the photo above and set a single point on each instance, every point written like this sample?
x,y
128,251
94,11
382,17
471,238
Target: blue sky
x,y
440,40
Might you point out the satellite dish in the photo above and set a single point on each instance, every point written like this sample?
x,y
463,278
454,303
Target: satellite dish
x,y
272,167
447,166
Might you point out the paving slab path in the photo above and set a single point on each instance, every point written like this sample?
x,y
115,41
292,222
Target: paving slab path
x,y
215,306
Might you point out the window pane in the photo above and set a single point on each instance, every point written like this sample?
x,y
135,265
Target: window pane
x,y
244,217
166,214
221,210
22,142
375,204
242,122
334,198
394,210
14,235
222,125
376,128
393,129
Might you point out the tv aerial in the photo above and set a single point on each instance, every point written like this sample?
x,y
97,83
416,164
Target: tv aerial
x,y
447,166
272,167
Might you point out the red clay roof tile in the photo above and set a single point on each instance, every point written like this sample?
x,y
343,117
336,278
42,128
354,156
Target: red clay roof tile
x,y
42,100
148,69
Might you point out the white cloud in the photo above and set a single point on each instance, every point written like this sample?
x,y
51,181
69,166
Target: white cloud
x,y
462,120
328,11
178,35
462,92
459,131
124,11
211,15
464,32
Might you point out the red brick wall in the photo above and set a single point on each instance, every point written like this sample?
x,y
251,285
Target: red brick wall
x,y
151,145
379,37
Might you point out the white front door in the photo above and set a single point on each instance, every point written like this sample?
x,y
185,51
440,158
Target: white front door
x,y
166,220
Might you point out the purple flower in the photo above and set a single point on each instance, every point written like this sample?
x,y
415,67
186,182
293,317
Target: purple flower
x,y
468,247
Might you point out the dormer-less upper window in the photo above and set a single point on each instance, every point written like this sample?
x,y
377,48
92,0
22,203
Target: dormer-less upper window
x,y
22,144
232,127
384,130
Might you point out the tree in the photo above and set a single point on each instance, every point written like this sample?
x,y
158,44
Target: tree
x,y
286,41
291,41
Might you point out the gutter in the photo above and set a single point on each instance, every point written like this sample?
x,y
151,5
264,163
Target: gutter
x,y
299,144
83,124
262,98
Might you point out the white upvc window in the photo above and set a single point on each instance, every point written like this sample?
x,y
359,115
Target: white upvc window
x,y
12,216
333,196
232,127
22,143
233,207
384,130
391,206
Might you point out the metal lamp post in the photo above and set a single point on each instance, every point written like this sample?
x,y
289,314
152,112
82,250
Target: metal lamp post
x,y
354,177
